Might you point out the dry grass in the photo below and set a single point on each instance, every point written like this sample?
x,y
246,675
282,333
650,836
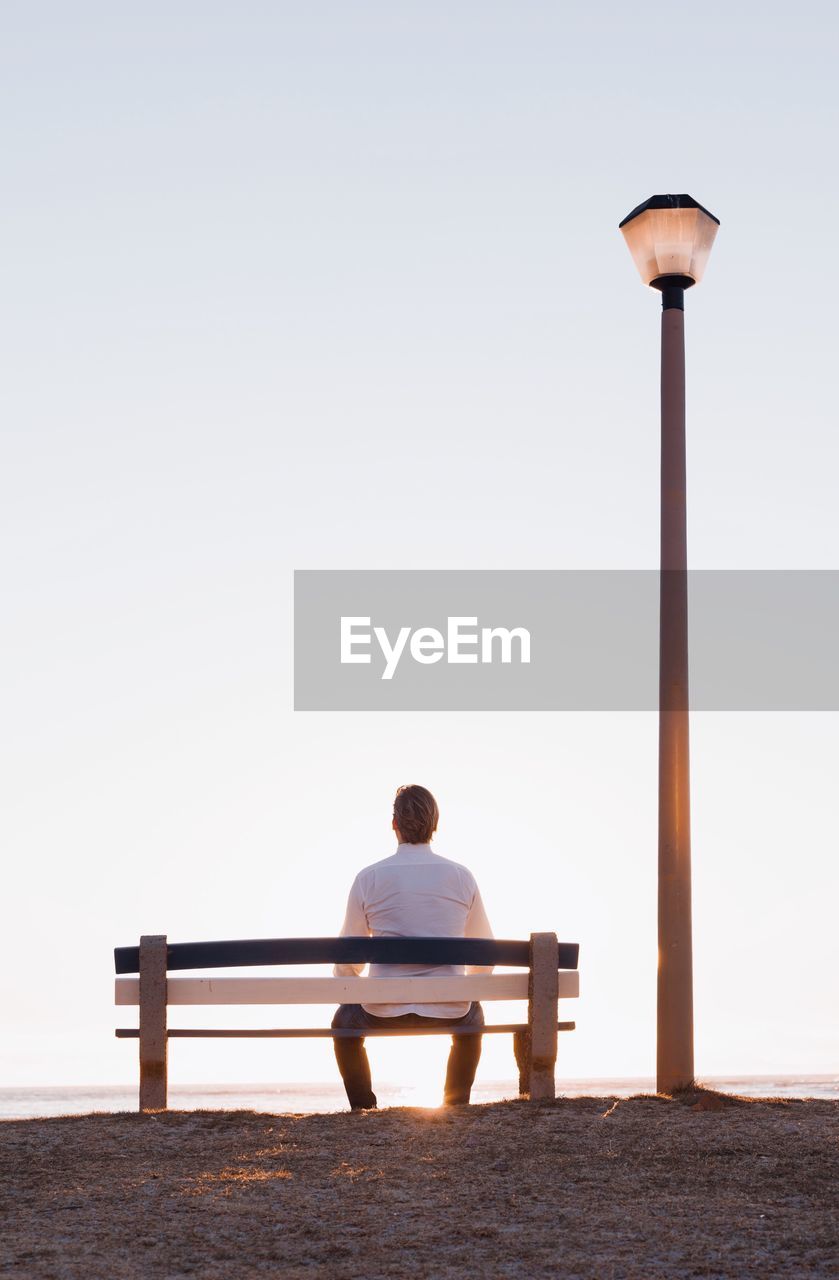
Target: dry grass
x,y
594,1188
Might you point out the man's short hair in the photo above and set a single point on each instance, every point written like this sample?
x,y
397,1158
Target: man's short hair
x,y
416,814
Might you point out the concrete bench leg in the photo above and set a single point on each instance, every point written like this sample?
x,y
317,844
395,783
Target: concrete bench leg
x,y
541,1016
153,1039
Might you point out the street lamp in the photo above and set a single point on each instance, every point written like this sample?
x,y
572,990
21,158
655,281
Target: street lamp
x,y
670,238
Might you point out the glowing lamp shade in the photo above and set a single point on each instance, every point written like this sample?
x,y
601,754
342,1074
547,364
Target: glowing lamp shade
x,y
670,236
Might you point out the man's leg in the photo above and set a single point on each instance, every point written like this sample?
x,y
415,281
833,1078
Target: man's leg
x,y
521,1048
463,1060
352,1059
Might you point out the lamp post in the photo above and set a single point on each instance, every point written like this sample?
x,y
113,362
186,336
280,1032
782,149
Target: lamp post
x,y
670,238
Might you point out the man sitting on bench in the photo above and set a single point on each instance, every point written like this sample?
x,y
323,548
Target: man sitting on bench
x,y
412,894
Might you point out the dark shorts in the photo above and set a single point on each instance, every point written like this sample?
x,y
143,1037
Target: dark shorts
x,y
354,1017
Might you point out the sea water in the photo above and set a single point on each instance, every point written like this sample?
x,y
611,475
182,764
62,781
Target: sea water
x,y
55,1100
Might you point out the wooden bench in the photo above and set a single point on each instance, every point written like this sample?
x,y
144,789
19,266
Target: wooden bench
x,y
550,975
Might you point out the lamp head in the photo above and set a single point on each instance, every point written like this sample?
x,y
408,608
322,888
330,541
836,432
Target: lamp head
x,y
670,239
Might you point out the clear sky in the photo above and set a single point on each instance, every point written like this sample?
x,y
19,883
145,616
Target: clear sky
x,y
340,285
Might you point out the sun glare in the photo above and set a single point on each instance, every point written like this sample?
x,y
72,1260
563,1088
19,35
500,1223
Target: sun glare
x,y
417,1063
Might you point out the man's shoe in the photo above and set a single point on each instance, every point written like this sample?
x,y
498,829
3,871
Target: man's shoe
x,y
369,1104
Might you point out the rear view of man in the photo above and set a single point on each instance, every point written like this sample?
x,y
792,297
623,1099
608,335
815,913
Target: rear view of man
x,y
412,894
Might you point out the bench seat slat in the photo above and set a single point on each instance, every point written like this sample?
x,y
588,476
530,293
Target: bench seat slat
x,y
308,1033
419,990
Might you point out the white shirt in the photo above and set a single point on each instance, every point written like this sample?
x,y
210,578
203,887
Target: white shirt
x,y
415,894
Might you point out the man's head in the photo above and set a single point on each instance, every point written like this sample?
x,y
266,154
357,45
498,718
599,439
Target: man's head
x,y
415,815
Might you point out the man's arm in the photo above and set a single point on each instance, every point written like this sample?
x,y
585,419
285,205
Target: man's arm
x,y
478,926
354,926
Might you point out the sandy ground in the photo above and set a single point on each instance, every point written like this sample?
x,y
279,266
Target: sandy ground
x,y
586,1187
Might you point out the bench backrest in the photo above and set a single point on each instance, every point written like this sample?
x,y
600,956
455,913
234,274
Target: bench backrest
x,y
343,990
268,951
